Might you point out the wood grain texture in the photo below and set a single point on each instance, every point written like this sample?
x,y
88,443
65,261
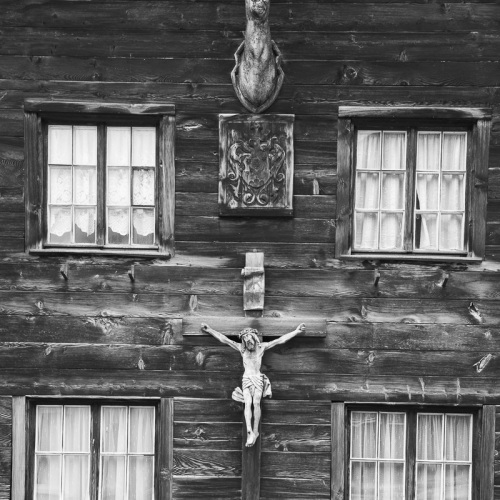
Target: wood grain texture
x,y
338,451
18,447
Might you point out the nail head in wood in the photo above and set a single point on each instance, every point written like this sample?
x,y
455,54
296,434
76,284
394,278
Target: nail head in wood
x,y
64,271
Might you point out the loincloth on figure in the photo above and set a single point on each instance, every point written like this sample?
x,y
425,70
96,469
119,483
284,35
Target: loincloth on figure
x,y
253,382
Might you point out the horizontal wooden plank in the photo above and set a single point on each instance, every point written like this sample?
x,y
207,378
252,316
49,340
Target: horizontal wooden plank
x,y
220,98
272,488
291,465
294,358
207,463
416,112
261,229
201,70
445,46
207,410
296,413
313,16
206,204
207,436
338,387
301,308
205,488
293,438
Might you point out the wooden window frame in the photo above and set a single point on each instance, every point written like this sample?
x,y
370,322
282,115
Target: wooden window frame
x,y
483,445
476,120
36,115
24,427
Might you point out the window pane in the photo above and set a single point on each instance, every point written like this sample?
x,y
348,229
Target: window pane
x,y
85,186
392,435
60,139
76,477
367,188
391,231
394,151
118,146
118,184
454,151
457,482
60,222
143,186
393,193
141,471
428,151
429,437
391,481
85,221
113,478
363,435
451,233
363,481
77,428
144,226
366,231
458,437
60,189
427,192
49,428
85,152
429,481
426,232
368,150
118,226
144,146
142,423
452,192
48,477
114,429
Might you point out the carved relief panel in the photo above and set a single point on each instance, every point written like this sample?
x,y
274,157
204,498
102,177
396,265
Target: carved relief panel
x,y
256,165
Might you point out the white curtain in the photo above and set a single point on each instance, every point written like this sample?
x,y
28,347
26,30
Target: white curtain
x,y
380,185
455,432
376,479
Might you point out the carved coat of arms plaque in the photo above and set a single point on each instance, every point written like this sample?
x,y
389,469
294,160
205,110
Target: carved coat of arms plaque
x,y
256,165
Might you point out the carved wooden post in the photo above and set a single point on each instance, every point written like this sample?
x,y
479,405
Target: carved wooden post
x,y
250,470
254,285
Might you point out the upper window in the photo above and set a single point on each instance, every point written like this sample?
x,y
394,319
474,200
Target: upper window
x,y
411,186
105,182
101,451
401,455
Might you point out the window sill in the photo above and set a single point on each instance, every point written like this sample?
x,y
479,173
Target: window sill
x,y
412,257
114,252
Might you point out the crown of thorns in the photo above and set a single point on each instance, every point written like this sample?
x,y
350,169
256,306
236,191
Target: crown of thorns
x,y
252,332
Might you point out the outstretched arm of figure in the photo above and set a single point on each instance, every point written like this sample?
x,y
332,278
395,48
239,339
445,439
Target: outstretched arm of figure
x,y
285,338
220,337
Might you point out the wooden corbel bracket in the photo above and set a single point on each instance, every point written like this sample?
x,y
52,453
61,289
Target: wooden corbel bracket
x,y
254,284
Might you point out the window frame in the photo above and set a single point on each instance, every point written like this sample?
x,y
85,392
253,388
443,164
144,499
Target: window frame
x,y
39,113
163,456
477,121
483,444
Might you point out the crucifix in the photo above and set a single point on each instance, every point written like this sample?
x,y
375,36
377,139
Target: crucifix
x,y
255,385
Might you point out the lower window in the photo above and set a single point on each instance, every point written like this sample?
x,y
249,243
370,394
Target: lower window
x,y
99,451
422,455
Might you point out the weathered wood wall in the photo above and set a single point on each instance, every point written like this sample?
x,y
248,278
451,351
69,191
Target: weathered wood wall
x,y
406,340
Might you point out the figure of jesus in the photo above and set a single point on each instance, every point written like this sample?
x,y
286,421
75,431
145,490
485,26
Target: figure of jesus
x,y
255,384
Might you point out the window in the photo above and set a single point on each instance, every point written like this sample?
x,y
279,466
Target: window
x,y
102,451
422,455
101,180
412,183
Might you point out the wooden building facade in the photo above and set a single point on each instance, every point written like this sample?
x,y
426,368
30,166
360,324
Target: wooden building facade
x,y
403,335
